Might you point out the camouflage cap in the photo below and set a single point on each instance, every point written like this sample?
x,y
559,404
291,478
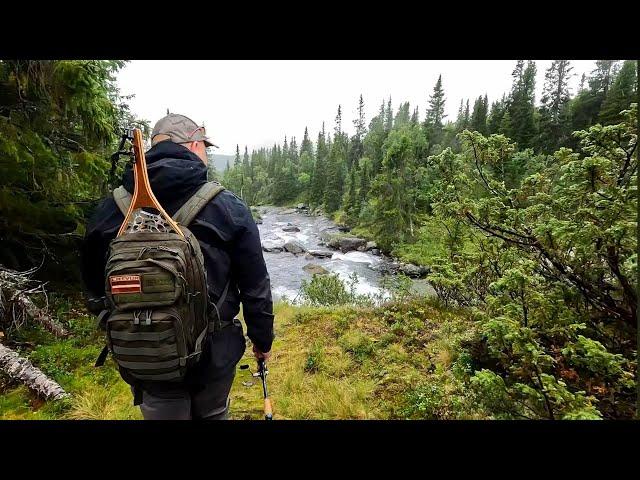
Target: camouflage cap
x,y
180,129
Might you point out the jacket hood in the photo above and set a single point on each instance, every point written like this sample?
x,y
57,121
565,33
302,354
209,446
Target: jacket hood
x,y
174,172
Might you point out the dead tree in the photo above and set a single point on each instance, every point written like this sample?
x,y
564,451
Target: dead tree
x,y
16,308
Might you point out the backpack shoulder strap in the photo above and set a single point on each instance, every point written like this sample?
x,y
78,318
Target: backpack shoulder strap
x,y
122,199
191,208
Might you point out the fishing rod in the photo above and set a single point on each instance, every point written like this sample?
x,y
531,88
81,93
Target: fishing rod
x,y
262,373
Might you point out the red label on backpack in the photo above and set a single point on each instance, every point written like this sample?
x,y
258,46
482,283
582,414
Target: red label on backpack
x,y
125,284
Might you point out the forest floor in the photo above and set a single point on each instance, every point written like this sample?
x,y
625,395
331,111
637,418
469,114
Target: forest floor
x,y
395,361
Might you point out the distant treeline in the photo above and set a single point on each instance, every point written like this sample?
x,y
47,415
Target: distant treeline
x,y
341,172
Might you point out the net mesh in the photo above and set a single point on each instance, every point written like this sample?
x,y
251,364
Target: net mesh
x,y
148,222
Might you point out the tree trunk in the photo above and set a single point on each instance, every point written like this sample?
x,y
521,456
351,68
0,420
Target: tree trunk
x,y
21,369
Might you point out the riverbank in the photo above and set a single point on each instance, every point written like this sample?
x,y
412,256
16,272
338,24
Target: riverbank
x,y
296,243
395,361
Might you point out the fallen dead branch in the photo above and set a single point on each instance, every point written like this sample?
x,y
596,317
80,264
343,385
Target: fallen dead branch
x,y
15,305
20,369
16,308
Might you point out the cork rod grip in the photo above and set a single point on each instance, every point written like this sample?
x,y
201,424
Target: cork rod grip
x,y
268,411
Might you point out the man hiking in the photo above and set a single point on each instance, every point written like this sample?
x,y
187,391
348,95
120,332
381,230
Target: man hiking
x,y
235,272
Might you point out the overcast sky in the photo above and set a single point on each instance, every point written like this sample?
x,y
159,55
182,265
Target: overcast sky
x,y
258,102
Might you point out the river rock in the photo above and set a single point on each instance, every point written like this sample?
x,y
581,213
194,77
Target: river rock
x,y
291,228
414,271
371,246
321,253
272,248
289,211
375,251
315,269
294,247
346,243
387,268
302,206
326,236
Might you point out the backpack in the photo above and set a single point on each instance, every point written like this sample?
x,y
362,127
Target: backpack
x,y
156,287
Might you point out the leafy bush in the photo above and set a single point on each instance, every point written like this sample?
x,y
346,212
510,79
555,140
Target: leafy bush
x,y
330,289
554,282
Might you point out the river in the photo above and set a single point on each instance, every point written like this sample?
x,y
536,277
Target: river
x,y
286,269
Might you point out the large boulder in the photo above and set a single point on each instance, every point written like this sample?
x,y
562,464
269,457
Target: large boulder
x,y
290,228
371,246
315,269
294,247
346,243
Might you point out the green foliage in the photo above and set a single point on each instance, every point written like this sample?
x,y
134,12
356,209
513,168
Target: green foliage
x,y
330,289
623,92
59,120
315,358
560,258
357,344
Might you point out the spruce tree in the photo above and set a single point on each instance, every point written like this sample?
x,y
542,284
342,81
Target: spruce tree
x,y
402,116
335,168
521,104
479,115
585,107
319,177
414,117
435,111
388,117
435,116
237,161
356,149
498,110
554,113
623,92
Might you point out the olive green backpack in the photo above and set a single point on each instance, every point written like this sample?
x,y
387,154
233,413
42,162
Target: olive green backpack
x,y
156,286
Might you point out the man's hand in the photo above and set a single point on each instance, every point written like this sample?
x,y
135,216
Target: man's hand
x,y
261,355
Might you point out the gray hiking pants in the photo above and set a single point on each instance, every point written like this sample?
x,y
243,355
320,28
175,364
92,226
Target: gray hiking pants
x,y
211,403
205,396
